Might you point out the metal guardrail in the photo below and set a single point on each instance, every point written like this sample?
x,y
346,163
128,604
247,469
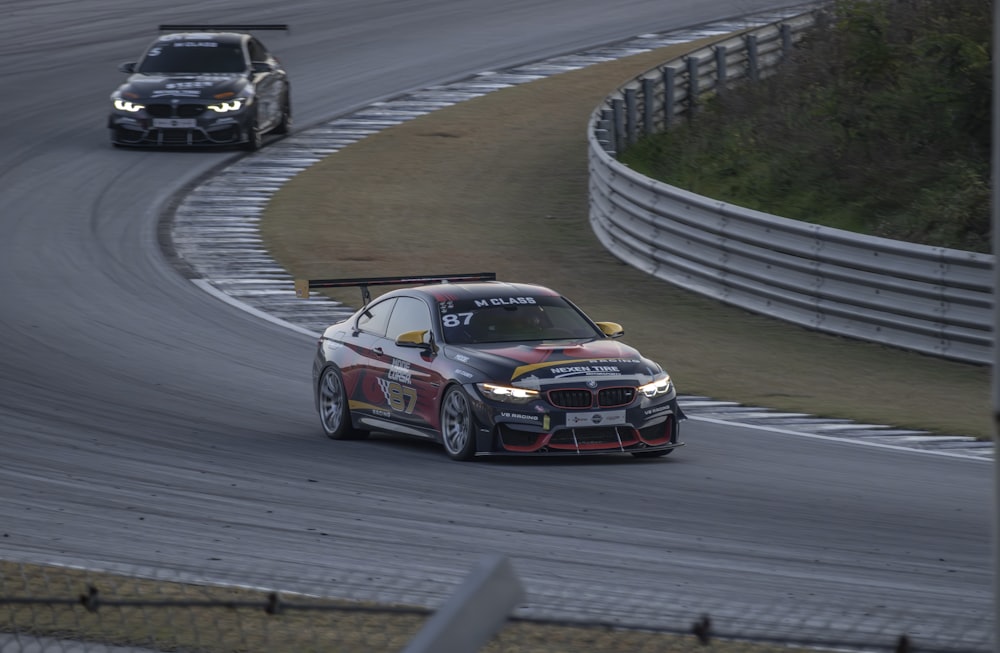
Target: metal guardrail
x,y
933,300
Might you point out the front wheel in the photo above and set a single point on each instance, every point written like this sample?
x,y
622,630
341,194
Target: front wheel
x,y
285,122
254,137
457,432
334,414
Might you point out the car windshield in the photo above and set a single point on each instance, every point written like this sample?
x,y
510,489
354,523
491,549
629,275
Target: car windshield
x,y
513,319
195,56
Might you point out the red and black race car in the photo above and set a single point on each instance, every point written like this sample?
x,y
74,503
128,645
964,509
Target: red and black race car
x,y
489,368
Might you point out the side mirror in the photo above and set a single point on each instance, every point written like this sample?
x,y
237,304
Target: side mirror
x,y
261,67
611,329
416,339
127,67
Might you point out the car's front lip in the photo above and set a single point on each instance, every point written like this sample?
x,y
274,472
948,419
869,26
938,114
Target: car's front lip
x,y
204,129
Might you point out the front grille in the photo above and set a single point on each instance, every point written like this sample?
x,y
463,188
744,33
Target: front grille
x,y
582,398
180,111
160,110
615,396
571,398
190,110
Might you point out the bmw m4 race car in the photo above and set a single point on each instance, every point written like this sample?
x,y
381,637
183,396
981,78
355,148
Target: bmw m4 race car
x,y
488,368
202,85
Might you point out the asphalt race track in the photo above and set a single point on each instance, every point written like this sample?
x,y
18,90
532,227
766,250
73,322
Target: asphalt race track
x,y
147,426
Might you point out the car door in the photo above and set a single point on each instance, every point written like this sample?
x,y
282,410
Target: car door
x,y
409,379
367,342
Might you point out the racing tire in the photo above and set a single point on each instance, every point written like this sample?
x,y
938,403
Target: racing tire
x,y
334,413
255,139
285,123
457,431
652,454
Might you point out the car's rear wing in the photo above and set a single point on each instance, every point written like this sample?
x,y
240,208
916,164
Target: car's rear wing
x,y
221,28
303,286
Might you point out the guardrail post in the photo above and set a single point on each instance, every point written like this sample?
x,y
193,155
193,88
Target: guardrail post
x,y
753,62
786,39
668,97
618,116
692,96
721,73
603,130
631,115
648,109
477,610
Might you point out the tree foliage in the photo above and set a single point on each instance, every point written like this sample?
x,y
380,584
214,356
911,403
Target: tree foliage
x,y
879,122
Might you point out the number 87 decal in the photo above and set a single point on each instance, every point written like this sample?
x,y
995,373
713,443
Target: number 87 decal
x,y
401,398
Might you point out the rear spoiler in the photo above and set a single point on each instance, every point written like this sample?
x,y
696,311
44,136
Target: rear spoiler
x,y
303,286
221,28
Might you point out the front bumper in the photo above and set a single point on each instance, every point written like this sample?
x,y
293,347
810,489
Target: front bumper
x,y
143,130
542,429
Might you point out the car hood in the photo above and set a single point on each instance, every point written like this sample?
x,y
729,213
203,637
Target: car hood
x,y
577,361
203,87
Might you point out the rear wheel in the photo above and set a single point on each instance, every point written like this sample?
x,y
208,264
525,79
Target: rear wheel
x,y
457,433
334,414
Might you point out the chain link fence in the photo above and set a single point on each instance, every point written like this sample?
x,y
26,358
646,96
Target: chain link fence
x,y
69,610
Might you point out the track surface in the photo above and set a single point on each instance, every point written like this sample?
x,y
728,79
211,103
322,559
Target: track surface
x,y
147,426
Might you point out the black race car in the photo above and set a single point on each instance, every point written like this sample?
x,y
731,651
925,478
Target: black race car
x,y
488,368
202,85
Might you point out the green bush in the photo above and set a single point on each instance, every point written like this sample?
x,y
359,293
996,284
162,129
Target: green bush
x,y
879,123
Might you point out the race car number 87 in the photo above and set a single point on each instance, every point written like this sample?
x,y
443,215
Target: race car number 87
x,y
456,319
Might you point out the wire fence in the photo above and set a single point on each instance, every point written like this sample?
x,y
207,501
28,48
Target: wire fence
x,y
49,608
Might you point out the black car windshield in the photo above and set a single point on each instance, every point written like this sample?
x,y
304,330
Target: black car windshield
x,y
196,56
513,319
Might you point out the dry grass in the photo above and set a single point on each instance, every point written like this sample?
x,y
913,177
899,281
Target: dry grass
x,y
499,184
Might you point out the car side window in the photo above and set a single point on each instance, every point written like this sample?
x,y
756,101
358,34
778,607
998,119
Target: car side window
x,y
257,50
409,314
375,317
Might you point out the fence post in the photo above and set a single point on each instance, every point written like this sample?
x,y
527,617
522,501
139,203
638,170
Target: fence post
x,y
631,115
648,110
668,97
480,606
721,74
618,115
692,73
753,63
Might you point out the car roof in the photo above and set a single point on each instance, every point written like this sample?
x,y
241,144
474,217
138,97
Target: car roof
x,y
477,290
226,38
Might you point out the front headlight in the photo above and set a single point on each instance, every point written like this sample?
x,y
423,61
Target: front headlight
x,y
129,106
507,394
227,106
658,386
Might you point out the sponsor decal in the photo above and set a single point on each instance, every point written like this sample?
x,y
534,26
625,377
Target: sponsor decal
x,y
520,416
461,372
176,92
503,301
665,408
462,358
400,371
605,418
586,370
195,44
195,84
378,412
